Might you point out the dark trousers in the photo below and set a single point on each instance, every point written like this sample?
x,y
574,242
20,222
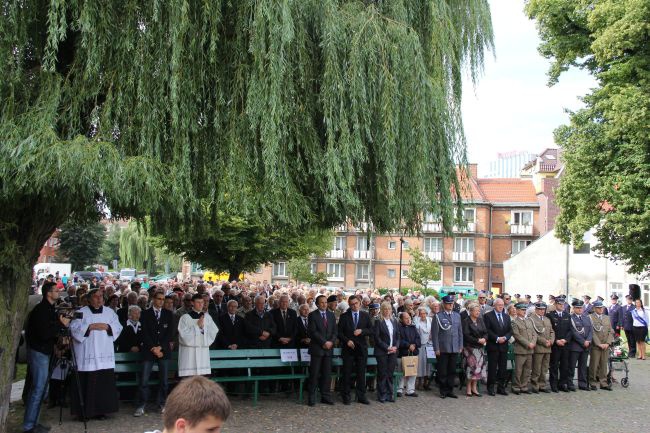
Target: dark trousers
x,y
385,369
320,370
497,369
357,363
631,343
579,360
446,371
559,368
163,369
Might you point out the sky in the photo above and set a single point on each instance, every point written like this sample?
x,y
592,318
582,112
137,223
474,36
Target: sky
x,y
511,107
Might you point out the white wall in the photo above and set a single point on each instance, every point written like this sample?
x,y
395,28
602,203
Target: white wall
x,y
541,269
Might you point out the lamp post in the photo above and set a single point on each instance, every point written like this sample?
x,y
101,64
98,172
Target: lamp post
x,y
399,281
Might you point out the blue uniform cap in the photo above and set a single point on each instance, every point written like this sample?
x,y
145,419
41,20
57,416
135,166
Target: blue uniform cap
x,y
597,304
449,299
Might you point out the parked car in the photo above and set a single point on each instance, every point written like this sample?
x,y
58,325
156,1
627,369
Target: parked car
x,y
127,274
163,277
87,275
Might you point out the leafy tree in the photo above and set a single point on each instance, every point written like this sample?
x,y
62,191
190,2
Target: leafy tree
x,y
606,145
422,269
110,249
239,245
79,244
298,112
136,249
299,269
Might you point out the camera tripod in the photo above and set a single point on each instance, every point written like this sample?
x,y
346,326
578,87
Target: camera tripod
x,y
68,364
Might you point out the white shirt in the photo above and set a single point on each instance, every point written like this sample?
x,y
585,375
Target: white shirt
x,y
389,325
642,314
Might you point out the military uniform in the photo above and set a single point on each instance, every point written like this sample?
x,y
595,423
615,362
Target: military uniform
x,y
542,355
447,340
524,334
602,334
582,332
559,371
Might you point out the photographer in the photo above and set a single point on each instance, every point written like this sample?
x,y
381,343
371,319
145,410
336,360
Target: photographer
x,y
43,327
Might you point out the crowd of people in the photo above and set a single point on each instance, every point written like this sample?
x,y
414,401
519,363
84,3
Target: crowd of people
x,y
191,318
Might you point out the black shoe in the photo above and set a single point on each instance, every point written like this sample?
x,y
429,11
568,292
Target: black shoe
x,y
502,392
583,388
452,395
381,400
311,403
554,389
390,400
491,392
544,390
327,401
363,400
43,427
572,389
607,388
413,394
593,387
477,394
443,395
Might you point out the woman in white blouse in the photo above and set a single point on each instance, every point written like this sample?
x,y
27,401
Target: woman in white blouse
x,y
640,328
423,325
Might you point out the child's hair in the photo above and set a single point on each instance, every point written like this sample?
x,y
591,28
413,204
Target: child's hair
x,y
194,399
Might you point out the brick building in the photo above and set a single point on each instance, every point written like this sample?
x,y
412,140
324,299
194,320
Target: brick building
x,y
50,249
502,217
545,171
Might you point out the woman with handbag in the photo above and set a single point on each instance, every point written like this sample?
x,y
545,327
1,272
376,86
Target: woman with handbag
x,y
386,343
640,328
474,340
423,325
409,346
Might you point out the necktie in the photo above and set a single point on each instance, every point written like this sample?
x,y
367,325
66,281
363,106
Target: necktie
x,y
233,319
157,314
324,319
356,319
304,321
284,318
560,314
500,319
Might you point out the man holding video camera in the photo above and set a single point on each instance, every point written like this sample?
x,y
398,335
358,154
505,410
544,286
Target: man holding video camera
x,y
43,327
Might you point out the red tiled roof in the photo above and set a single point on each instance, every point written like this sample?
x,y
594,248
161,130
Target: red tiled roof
x,y
507,190
470,190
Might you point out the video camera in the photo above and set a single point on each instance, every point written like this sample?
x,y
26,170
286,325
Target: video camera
x,y
69,312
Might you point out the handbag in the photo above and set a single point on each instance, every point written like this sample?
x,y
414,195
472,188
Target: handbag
x,y
410,365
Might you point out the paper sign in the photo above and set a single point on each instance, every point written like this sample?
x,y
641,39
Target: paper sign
x,y
304,355
288,355
431,354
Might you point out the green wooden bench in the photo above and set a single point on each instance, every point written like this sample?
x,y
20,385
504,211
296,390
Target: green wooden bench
x,y
131,362
249,359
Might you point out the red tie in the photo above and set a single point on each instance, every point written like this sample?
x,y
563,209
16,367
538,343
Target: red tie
x,y
325,319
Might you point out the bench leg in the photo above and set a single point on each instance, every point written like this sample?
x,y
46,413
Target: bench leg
x,y
300,391
255,393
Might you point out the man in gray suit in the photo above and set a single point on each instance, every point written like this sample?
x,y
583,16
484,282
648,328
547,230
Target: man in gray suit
x,y
580,345
447,338
482,301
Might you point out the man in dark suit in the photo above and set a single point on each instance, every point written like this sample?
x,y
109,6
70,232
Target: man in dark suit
x,y
123,313
259,326
627,323
322,332
285,323
499,329
302,327
157,333
560,354
354,326
231,328
217,306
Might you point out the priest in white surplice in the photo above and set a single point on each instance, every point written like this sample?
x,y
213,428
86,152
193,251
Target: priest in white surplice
x,y
93,337
196,332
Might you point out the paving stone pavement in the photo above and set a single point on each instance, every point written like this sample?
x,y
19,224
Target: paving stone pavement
x,y
599,411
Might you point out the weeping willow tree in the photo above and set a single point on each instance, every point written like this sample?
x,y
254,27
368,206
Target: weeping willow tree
x,y
301,112
136,251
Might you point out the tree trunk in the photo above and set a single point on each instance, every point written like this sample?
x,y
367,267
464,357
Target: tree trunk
x,y
14,291
234,275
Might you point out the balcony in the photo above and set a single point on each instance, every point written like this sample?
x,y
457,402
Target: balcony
x,y
367,254
431,227
341,228
471,228
361,227
521,230
436,256
335,254
463,257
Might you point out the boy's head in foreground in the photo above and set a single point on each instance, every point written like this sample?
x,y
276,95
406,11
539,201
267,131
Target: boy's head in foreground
x,y
196,405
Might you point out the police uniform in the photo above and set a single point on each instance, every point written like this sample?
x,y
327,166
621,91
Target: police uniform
x,y
582,333
447,340
524,334
559,366
545,337
602,334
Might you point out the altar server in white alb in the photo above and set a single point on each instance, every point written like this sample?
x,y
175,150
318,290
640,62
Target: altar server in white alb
x,y
196,332
93,337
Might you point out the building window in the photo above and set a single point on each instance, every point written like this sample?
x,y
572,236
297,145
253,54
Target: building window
x,y
464,245
616,288
432,245
469,215
392,245
313,267
405,245
339,243
336,271
463,274
518,245
429,218
362,243
363,272
584,249
391,273
522,218
259,269
405,273
280,269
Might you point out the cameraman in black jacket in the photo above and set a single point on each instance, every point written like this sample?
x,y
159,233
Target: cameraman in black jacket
x,y
43,327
